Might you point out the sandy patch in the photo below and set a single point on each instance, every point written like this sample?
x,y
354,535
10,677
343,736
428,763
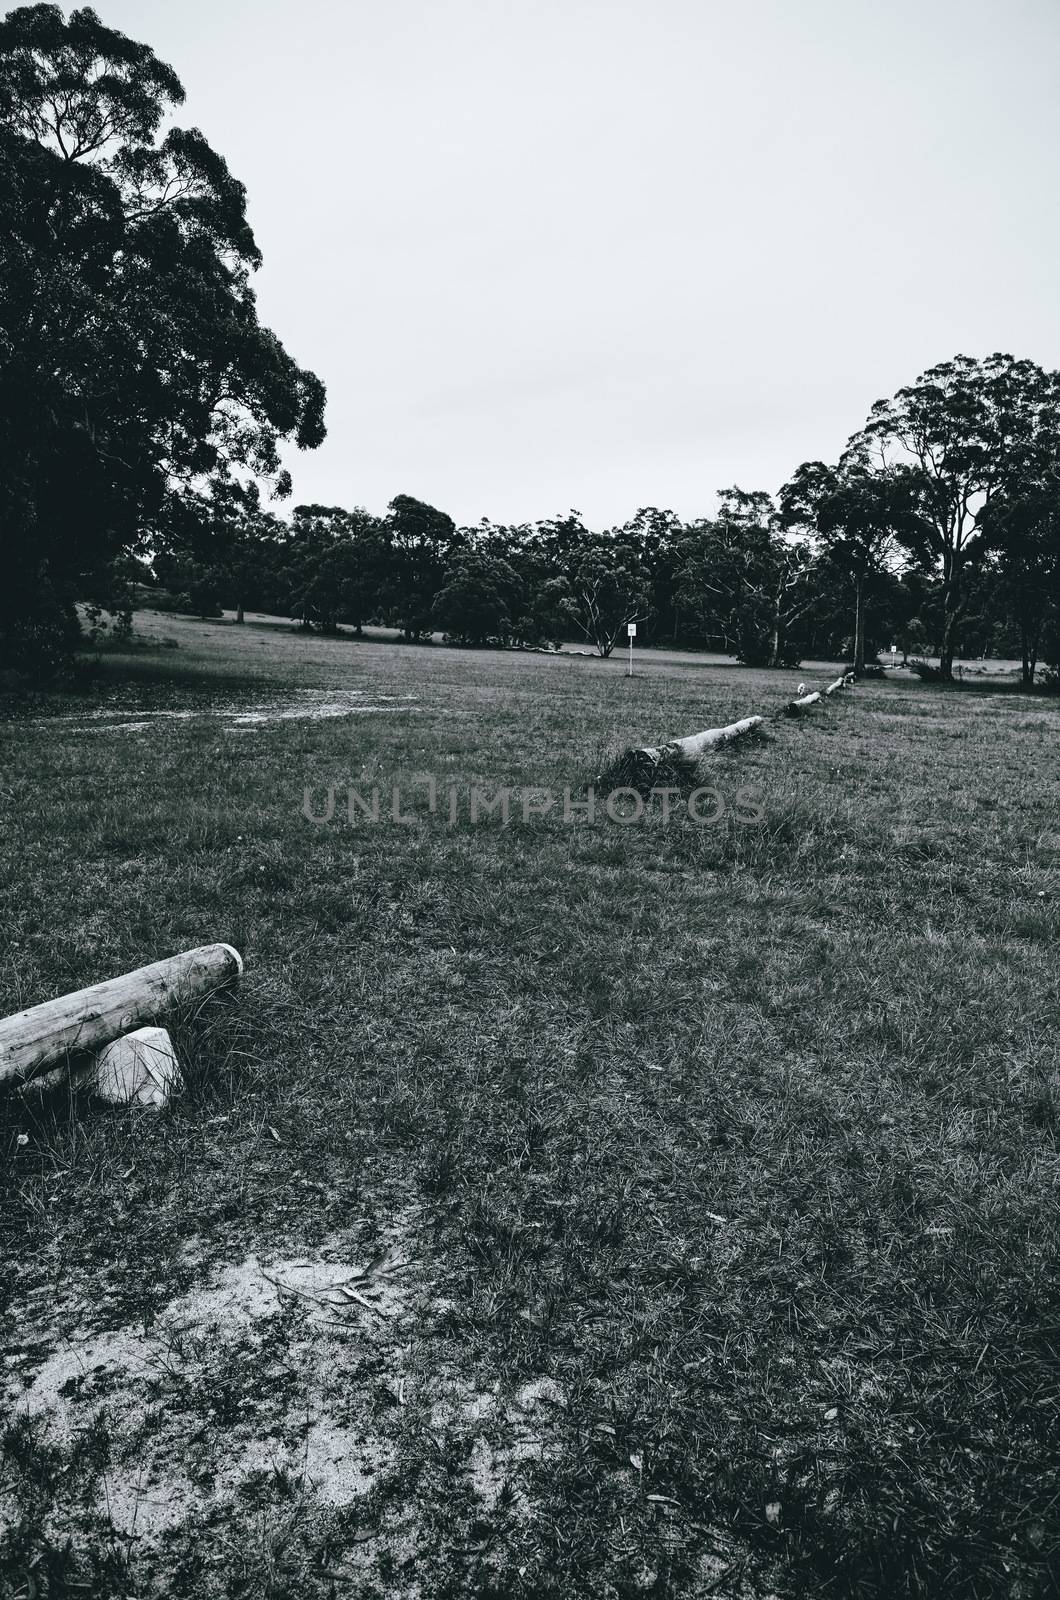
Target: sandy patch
x,y
505,1433
278,1393
237,1383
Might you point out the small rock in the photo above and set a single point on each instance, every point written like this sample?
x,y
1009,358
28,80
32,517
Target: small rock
x,y
139,1069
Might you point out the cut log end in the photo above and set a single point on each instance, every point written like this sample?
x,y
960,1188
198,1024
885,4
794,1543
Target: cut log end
x,y
797,708
237,961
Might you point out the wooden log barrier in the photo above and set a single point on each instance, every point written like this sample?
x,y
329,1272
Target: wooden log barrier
x,y
639,767
34,1040
795,708
698,744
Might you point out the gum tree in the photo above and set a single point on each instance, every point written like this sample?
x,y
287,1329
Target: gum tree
x,y
746,579
421,541
1025,527
133,368
860,519
967,430
604,589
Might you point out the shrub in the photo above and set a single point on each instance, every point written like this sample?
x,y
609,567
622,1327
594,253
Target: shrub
x,y
38,639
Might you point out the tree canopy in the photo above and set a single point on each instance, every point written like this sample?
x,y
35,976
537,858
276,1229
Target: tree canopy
x,y
134,372
967,431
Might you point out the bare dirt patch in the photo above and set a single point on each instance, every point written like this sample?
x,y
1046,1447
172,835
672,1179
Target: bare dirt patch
x,y
238,1383
305,1393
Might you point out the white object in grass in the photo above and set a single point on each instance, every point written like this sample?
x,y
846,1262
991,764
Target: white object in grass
x,y
140,1069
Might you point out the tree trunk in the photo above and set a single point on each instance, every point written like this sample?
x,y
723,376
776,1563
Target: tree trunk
x,y
1030,638
949,645
33,1040
859,624
239,613
774,641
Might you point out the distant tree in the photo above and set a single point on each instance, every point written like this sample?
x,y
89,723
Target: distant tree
x,y
334,566
919,620
479,598
605,589
421,541
133,363
709,598
545,617
829,626
192,584
562,540
522,549
858,518
1024,527
317,568
745,580
540,555
227,531
968,430
250,557
656,537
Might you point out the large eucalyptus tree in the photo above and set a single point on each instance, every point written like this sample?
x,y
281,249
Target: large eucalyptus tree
x,y
134,372
968,431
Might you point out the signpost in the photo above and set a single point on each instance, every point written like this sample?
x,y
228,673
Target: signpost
x,y
631,630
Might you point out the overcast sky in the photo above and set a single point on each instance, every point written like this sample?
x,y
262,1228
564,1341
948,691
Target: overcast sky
x,y
604,254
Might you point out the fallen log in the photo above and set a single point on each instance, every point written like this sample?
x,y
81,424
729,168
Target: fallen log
x,y
841,683
795,708
697,744
676,759
34,1040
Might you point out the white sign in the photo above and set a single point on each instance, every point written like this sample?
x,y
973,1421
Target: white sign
x,y
631,629
894,649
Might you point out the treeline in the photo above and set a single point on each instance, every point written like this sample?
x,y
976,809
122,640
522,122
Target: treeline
x,y
736,583
938,531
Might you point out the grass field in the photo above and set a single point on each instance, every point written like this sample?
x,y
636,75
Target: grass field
x,y
699,1182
